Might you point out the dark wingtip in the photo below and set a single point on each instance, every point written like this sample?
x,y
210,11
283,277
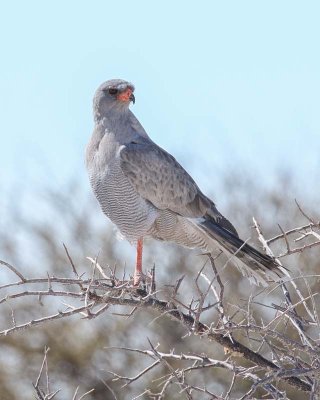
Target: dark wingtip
x,y
228,237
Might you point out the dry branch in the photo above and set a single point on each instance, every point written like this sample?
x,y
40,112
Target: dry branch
x,y
294,361
125,295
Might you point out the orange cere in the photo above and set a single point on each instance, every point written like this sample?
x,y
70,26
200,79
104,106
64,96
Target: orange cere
x,y
125,96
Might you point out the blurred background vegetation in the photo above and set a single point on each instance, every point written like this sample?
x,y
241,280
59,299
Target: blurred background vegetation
x,y
32,242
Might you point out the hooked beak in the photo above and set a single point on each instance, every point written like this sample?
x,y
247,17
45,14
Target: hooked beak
x,y
132,98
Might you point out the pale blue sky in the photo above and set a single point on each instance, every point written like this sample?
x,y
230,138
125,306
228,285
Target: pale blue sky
x,y
217,83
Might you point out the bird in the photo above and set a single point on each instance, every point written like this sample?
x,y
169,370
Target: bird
x,y
146,193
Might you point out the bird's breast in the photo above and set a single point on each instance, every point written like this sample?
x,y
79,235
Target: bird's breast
x,y
119,201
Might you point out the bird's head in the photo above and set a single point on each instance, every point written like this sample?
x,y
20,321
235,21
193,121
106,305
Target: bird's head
x,y
115,94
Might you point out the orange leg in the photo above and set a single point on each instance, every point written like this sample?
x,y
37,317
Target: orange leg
x,y
138,269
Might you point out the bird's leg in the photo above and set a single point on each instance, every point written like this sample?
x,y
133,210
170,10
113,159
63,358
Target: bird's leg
x,y
138,269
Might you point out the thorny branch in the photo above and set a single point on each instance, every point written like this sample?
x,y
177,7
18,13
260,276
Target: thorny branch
x,y
304,233
274,355
42,391
195,362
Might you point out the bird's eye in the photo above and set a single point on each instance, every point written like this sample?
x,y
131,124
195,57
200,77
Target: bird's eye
x,y
113,91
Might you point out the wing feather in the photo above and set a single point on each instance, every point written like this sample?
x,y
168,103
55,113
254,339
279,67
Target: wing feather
x,y
160,179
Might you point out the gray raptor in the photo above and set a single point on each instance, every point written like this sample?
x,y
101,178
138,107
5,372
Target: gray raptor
x,y
146,193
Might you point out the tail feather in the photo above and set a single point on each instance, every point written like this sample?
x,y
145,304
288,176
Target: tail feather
x,y
259,268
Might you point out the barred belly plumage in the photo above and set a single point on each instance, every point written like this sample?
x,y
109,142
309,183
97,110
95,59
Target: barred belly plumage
x,y
120,202
174,228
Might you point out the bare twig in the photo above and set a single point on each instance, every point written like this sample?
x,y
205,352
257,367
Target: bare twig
x,y
41,395
14,270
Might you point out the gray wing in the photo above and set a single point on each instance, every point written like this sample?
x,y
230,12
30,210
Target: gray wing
x,y
161,180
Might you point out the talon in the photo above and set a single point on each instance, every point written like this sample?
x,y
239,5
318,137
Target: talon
x,y
138,278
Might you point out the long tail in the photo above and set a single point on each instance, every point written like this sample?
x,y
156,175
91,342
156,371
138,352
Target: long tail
x,y
258,267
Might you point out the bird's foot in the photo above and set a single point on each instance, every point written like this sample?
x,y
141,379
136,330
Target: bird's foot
x,y
138,278
145,282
